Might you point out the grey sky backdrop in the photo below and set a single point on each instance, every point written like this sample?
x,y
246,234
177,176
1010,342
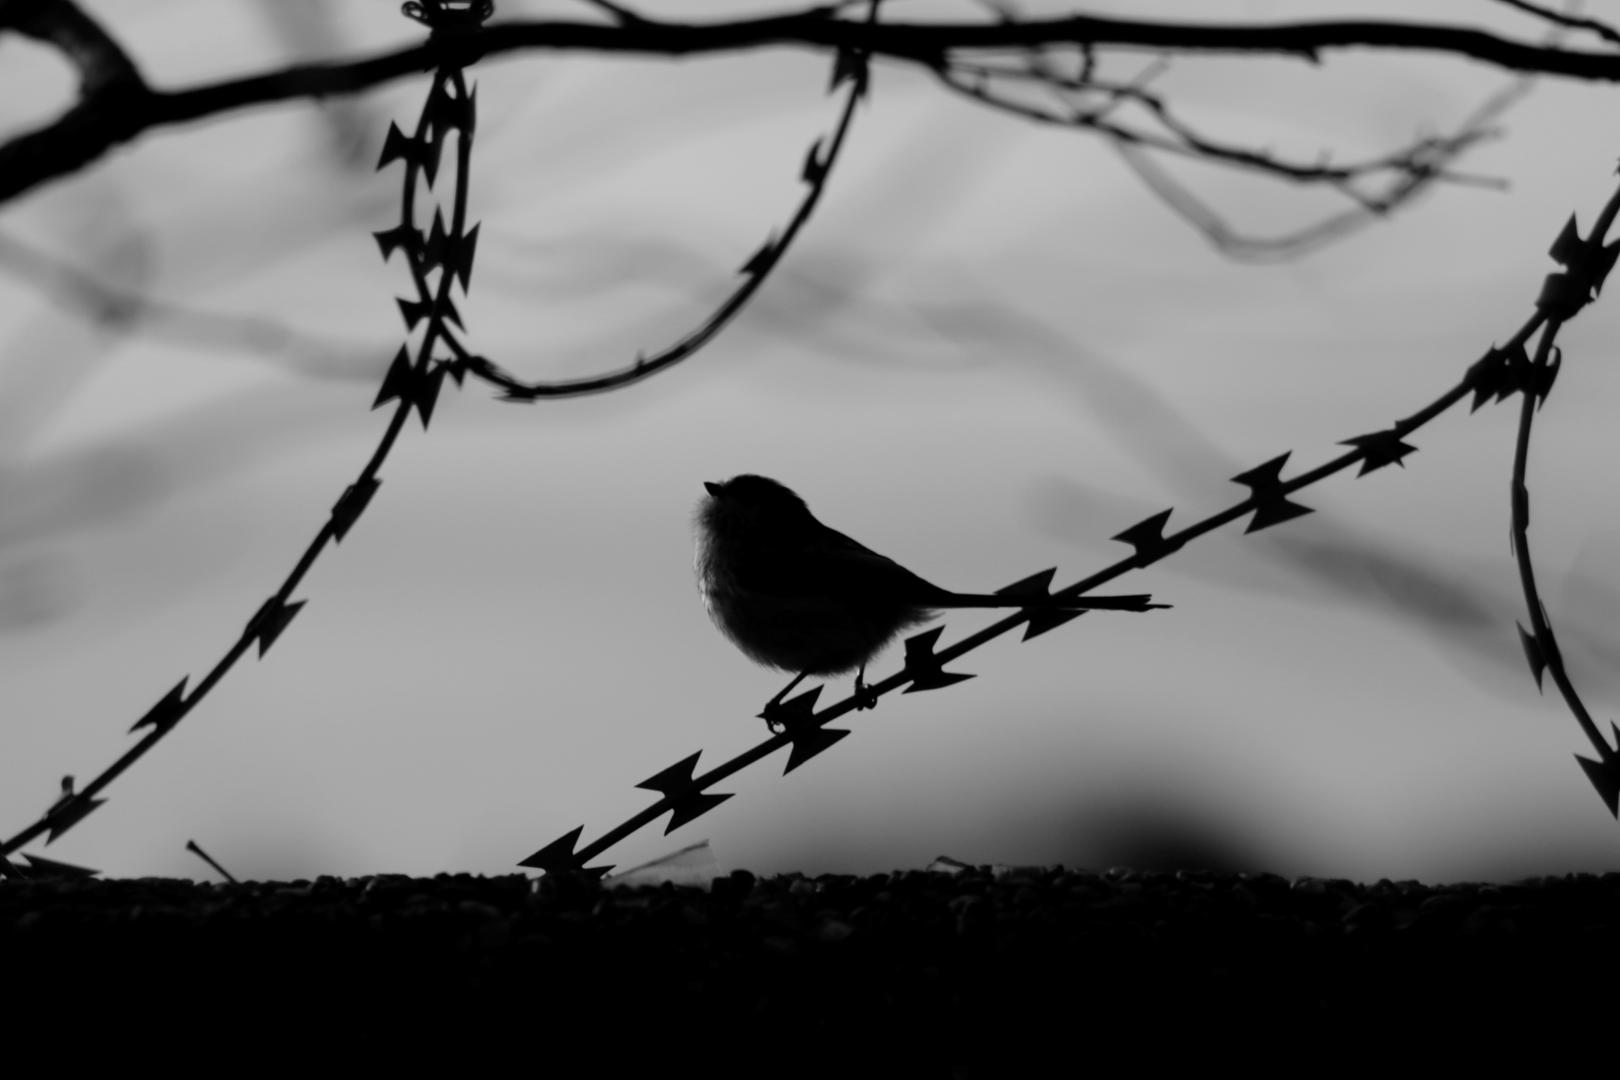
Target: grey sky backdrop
x,y
991,350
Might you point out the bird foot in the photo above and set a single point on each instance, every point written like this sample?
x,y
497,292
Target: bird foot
x,y
864,697
772,715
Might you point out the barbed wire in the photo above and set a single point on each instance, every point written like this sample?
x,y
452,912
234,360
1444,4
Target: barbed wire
x,y
1587,262
412,381
849,66
415,379
1502,371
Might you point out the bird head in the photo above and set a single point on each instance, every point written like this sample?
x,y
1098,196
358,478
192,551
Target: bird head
x,y
753,501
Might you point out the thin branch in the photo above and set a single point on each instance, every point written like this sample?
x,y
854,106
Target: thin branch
x,y
101,62
620,13
196,849
112,308
1572,22
1416,170
1182,139
83,134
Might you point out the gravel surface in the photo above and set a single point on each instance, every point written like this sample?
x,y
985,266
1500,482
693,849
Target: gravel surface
x,y
976,973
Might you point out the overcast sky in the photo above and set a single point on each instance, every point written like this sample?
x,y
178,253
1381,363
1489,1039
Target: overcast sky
x,y
992,349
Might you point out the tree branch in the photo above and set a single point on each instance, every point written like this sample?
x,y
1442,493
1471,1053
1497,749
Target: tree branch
x,y
102,63
84,133
1566,20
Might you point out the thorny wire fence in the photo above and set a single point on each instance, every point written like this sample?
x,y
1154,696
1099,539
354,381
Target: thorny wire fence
x,y
414,382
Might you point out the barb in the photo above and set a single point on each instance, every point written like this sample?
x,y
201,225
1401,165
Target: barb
x,y
449,253
850,67
40,867
1498,375
1586,263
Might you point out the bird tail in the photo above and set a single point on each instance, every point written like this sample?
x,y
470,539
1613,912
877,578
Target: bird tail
x,y
1128,602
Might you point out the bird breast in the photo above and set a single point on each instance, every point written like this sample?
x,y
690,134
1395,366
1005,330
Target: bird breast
x,y
812,633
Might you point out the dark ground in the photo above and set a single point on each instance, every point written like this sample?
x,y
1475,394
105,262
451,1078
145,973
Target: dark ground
x,y
911,974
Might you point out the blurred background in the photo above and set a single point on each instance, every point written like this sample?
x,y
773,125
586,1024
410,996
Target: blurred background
x,y
992,349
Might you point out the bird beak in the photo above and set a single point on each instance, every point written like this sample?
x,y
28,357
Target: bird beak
x,y
712,488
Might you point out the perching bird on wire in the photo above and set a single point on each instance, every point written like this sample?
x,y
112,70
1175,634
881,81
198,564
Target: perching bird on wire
x,y
793,594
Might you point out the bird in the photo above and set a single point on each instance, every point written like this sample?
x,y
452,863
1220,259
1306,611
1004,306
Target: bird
x,y
794,594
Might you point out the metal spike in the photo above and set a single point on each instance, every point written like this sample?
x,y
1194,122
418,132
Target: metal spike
x,y
39,866
921,659
1042,621
413,311
1379,449
68,812
815,169
167,712
850,66
400,236
1147,537
462,257
397,146
1532,653
1272,507
672,780
270,620
350,505
1566,248
557,855
1037,586
1267,474
792,712
397,383
1605,775
1275,513
936,680
691,805
810,741
760,261
427,393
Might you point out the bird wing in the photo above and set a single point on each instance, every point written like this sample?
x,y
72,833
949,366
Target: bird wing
x,y
832,565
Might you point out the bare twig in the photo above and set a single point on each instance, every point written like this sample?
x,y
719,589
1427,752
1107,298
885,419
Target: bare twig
x,y
101,62
1424,158
619,12
1567,20
79,291
196,849
83,134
